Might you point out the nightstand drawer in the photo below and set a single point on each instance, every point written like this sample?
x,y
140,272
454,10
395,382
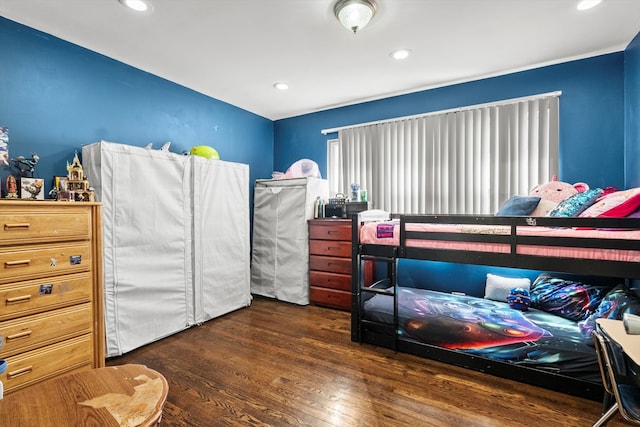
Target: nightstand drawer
x,y
333,265
330,297
30,332
330,280
30,262
330,248
330,232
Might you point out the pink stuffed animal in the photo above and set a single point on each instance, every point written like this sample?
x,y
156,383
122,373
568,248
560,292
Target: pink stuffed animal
x,y
552,193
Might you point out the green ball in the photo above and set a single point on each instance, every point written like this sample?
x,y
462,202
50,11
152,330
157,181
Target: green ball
x,y
205,151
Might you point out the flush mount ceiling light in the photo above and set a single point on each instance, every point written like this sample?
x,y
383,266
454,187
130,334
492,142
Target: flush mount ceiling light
x,y
588,4
354,15
137,5
281,86
400,54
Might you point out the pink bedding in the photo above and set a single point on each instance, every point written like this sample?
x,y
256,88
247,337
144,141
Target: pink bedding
x,y
388,233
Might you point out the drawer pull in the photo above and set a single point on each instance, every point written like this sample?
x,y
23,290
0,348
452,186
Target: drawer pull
x,y
17,263
19,372
20,225
23,334
15,300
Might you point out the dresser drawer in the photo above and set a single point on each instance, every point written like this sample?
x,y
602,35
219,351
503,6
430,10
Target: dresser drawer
x,y
330,232
30,262
45,224
37,365
330,248
333,265
31,332
35,296
330,297
324,279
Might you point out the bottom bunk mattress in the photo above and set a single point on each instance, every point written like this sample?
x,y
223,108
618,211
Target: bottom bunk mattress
x,y
490,329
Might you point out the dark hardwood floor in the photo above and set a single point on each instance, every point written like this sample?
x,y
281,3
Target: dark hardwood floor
x,y
279,364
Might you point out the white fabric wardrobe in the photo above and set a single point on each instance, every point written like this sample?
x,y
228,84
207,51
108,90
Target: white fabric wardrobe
x,y
176,240
280,253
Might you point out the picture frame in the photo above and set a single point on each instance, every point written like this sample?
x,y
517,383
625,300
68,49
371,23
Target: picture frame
x,y
66,196
32,188
4,146
60,183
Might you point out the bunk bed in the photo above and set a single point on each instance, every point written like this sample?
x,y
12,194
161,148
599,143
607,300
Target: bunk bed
x,y
542,345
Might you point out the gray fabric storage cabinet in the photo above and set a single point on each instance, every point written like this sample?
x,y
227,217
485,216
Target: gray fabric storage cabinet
x,y
176,240
280,254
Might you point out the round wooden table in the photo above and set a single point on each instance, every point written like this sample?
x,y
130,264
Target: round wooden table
x,y
125,395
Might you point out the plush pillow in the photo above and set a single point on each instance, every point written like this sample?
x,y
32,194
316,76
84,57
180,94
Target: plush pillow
x,y
543,208
566,297
518,206
616,202
498,287
625,208
557,191
519,299
576,204
614,304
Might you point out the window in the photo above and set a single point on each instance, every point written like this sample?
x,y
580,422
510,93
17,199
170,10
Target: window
x,y
333,166
463,161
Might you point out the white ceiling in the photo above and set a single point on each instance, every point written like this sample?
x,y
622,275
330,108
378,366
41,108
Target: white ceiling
x,y
235,50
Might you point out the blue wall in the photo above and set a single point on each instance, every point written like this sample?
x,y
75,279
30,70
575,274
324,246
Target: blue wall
x,y
592,138
56,97
632,109
591,116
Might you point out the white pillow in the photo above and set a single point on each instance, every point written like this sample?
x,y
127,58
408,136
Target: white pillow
x,y
373,215
497,287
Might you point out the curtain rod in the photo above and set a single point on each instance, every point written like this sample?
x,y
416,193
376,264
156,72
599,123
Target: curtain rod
x,y
452,110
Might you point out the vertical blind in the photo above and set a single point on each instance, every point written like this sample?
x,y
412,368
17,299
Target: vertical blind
x,y
465,161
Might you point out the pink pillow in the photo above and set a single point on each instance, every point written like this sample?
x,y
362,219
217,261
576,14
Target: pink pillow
x,y
625,208
615,205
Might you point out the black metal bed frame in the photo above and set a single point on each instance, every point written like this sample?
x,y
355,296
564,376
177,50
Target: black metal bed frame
x,y
385,335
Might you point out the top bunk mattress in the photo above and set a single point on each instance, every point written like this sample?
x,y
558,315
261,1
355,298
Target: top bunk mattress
x,y
481,238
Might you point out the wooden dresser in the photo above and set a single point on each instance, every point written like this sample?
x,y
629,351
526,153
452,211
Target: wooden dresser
x,y
51,320
330,262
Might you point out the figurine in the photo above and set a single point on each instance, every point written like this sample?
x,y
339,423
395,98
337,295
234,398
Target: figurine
x,y
12,187
26,166
76,185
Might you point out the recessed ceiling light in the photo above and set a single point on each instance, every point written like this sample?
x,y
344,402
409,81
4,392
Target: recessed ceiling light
x,y
588,4
281,86
137,5
400,54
